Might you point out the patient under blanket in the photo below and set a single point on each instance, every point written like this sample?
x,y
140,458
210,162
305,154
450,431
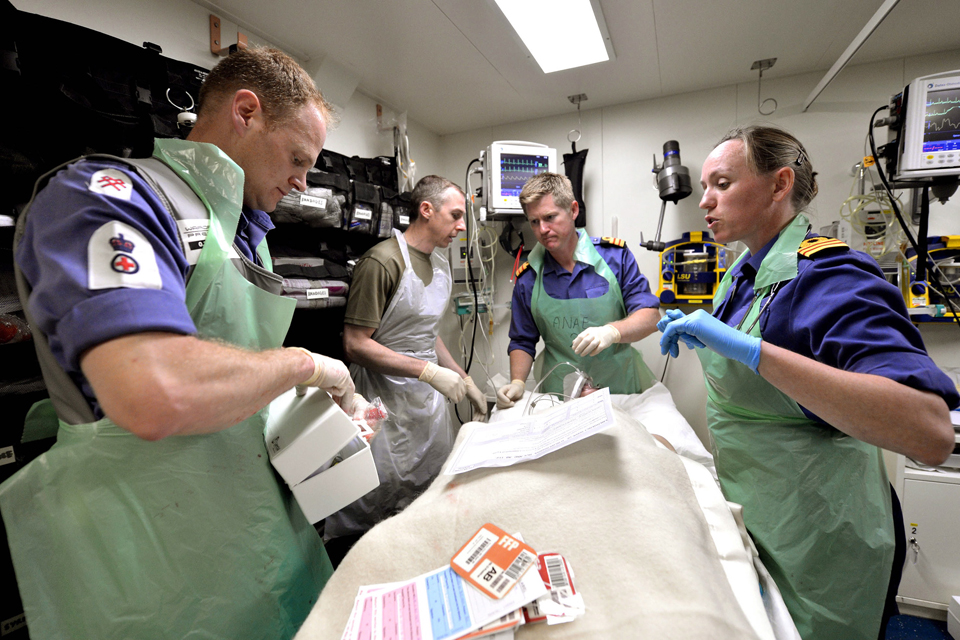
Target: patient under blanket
x,y
620,508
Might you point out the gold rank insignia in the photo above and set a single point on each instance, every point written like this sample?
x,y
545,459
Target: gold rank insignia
x,y
522,268
811,246
617,242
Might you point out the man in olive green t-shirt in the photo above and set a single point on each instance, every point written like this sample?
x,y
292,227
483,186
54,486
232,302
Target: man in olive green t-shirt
x,y
400,289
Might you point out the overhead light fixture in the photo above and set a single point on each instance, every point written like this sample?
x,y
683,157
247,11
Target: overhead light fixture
x,y
560,34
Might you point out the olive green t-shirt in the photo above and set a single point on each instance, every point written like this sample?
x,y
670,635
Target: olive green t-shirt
x,y
376,278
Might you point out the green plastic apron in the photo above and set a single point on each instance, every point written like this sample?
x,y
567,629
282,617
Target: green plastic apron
x,y
816,501
619,367
187,537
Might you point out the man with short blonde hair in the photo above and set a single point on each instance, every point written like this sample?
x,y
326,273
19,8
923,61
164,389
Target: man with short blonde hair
x,y
584,296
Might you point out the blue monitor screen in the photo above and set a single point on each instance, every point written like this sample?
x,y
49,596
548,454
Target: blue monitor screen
x,y
516,169
941,126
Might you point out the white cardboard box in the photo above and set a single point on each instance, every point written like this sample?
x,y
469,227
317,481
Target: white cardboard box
x,y
953,617
315,448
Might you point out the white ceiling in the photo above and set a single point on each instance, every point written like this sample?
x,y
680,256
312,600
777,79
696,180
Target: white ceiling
x,y
456,65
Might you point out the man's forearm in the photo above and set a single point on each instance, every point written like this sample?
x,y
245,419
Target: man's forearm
x,y
520,364
445,359
363,350
182,385
638,325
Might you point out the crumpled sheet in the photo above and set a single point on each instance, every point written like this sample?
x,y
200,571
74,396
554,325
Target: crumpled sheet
x,y
620,508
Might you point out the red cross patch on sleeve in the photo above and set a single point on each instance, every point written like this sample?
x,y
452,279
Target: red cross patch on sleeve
x,y
119,256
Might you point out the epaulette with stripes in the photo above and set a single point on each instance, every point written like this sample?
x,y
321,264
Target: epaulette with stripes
x,y
616,242
523,267
811,246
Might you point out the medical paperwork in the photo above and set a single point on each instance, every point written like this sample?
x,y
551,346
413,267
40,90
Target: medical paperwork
x,y
438,605
528,438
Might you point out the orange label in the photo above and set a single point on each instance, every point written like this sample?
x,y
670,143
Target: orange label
x,y
493,561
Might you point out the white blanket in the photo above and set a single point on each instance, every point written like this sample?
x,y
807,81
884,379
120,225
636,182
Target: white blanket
x,y
618,506
655,410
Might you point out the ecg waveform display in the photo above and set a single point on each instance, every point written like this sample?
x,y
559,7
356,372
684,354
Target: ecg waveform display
x,y
941,131
516,169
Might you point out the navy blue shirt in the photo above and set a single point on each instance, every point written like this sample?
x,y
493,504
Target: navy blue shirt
x,y
840,311
79,300
583,282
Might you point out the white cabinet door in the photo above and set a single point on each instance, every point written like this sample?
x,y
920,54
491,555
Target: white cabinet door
x,y
931,513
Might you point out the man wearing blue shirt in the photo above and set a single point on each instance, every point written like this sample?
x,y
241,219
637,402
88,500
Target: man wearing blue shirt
x,y
585,296
148,285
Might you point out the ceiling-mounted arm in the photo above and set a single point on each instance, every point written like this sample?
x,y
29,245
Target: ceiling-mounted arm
x,y
761,66
854,46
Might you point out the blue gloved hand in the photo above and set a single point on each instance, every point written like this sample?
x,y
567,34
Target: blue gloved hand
x,y
676,314
714,335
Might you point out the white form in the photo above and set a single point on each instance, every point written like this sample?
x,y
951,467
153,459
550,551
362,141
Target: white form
x,y
528,438
439,605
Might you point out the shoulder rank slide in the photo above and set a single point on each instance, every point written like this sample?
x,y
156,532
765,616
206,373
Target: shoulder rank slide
x,y
616,242
523,267
811,246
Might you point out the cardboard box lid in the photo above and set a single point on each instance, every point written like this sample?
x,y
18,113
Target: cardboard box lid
x,y
332,489
304,432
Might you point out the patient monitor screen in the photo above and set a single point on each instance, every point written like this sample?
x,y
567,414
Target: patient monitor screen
x,y
516,169
941,130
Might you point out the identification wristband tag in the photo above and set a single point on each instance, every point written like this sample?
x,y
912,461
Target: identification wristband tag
x,y
558,578
493,561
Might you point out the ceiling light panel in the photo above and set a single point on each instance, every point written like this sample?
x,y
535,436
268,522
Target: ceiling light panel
x,y
560,34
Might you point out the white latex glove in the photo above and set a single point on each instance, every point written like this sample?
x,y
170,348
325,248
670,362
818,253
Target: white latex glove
x,y
592,341
508,394
476,398
333,377
446,381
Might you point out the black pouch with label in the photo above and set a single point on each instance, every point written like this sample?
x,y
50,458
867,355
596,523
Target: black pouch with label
x,y
363,212
402,211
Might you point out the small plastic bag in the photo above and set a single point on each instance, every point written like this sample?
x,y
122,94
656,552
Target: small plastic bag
x,y
369,415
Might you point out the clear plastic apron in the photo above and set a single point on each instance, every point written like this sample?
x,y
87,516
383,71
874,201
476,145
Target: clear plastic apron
x,y
186,537
815,500
619,367
417,436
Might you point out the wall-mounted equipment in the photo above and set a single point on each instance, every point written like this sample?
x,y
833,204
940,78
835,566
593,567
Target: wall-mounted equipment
x,y
924,303
460,250
673,183
507,165
929,120
691,269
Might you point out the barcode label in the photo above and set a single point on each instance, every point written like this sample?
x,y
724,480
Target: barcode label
x,y
476,553
515,570
362,213
404,219
313,294
473,550
558,577
312,201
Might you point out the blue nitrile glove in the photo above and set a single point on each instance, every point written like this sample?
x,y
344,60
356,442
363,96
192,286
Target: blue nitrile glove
x,y
715,335
690,341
